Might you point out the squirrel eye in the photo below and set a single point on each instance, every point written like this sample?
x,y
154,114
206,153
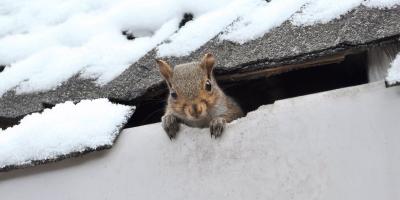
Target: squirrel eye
x,y
174,95
208,85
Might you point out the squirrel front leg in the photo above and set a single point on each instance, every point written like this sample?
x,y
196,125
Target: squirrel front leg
x,y
170,124
217,126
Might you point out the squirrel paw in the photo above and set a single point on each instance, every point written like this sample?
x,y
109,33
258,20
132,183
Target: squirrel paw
x,y
171,125
217,126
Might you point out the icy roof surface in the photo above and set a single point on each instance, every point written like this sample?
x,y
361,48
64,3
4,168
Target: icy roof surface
x,y
66,128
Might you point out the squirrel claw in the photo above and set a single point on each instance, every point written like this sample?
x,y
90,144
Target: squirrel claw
x,y
171,125
217,127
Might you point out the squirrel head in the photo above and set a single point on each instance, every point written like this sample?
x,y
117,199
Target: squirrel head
x,y
192,86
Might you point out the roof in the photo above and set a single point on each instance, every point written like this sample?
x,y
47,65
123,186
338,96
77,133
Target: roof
x,y
281,48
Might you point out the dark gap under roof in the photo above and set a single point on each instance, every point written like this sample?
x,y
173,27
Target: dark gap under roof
x,y
350,70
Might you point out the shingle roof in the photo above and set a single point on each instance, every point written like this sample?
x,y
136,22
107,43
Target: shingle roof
x,y
282,46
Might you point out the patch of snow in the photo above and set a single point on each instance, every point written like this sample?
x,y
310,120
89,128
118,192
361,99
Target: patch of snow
x,y
205,27
46,49
393,75
323,11
64,129
299,12
22,16
261,20
381,3
89,43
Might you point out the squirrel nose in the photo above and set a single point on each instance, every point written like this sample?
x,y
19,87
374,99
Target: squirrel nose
x,y
195,110
194,107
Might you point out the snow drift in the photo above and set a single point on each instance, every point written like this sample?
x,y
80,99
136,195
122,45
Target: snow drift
x,y
66,129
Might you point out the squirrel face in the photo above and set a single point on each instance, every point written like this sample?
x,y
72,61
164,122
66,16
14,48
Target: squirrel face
x,y
192,87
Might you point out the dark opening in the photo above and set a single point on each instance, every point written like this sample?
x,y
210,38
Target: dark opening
x,y
251,94
150,108
6,122
128,34
2,67
186,18
9,122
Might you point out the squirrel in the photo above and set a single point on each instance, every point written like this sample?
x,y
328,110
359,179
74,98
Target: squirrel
x,y
195,99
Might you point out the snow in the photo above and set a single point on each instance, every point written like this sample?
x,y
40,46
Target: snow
x,y
89,43
64,129
393,76
262,19
381,3
323,11
46,42
205,27
44,50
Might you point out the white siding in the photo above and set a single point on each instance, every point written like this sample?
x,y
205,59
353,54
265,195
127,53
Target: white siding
x,y
334,145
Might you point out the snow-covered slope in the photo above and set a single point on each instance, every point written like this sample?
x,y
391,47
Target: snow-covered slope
x,y
45,42
56,133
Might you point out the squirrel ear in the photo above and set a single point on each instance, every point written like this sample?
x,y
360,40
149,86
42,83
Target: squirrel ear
x,y
165,69
207,63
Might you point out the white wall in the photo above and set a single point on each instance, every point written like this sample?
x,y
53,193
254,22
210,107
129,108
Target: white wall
x,y
341,144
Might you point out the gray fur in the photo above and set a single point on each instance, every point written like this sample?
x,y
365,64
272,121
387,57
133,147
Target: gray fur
x,y
170,124
217,126
187,78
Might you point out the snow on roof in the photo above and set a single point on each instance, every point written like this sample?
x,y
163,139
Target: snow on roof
x,y
48,52
47,42
393,76
59,132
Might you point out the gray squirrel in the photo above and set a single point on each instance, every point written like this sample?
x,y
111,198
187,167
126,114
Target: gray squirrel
x,y
195,98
